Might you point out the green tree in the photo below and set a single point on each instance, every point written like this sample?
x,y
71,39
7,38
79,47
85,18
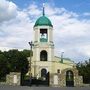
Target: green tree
x,y
3,66
26,52
84,70
17,61
14,61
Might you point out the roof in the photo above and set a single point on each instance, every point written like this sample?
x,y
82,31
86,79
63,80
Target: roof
x,y
65,59
43,21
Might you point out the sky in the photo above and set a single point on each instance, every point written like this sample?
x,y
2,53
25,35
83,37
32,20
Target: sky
x,y
70,19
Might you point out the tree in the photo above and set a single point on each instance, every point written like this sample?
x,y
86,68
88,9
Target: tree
x,y
26,52
14,61
17,61
84,70
3,66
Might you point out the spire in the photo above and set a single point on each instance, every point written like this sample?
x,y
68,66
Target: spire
x,y
43,9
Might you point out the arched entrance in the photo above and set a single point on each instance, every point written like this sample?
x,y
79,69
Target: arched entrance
x,y
45,77
43,73
43,55
69,78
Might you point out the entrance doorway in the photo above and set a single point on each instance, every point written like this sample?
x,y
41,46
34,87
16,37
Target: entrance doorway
x,y
45,77
69,78
43,73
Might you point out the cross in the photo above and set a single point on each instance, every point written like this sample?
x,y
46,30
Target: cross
x,y
43,9
69,75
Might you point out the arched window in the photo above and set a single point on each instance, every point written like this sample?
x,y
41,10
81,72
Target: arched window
x,y
43,73
43,55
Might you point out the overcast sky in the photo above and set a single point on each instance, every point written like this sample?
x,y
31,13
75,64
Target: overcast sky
x,y
70,19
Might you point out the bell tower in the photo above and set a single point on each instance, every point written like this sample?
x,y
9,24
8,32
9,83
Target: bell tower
x,y
43,50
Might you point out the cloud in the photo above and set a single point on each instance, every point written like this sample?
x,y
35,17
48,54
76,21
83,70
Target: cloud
x,y
87,14
16,27
71,34
8,10
33,10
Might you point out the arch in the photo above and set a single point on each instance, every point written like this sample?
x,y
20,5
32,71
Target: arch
x,y
69,78
43,55
43,73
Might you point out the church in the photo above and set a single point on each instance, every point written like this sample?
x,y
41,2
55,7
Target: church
x,y
61,71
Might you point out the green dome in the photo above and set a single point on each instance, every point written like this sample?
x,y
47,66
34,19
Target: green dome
x,y
43,21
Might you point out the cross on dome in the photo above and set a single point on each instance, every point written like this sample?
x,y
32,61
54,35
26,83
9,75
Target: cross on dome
x,y
43,20
43,9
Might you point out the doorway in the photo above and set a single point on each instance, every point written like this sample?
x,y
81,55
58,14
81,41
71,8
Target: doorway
x,y
69,78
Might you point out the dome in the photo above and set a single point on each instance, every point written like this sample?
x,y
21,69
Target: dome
x,y
43,21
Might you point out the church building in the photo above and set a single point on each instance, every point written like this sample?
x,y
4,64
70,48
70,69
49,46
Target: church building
x,y
61,71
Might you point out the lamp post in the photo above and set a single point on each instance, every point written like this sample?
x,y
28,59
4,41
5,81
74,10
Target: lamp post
x,y
31,44
62,57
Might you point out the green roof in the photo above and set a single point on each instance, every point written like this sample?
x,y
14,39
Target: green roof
x,y
43,21
67,59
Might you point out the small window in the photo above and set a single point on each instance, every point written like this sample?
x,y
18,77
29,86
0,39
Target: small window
x,y
58,70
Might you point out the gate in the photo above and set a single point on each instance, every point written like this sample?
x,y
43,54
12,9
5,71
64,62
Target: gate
x,y
44,80
69,78
45,77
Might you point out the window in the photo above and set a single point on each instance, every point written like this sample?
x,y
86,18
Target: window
x,y
58,70
43,55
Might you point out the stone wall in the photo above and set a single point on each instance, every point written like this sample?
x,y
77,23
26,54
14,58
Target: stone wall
x,y
2,83
78,80
54,80
62,82
14,78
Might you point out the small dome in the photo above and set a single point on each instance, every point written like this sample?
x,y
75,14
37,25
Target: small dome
x,y
43,21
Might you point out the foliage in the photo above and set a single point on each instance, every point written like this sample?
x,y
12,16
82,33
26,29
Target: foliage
x,y
84,70
3,66
13,61
26,52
